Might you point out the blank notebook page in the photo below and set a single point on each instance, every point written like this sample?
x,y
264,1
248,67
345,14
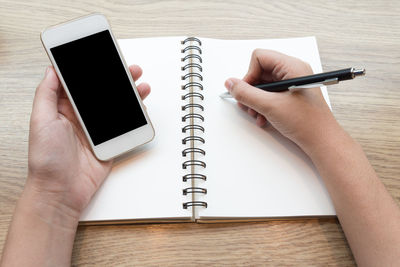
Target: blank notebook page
x,y
253,171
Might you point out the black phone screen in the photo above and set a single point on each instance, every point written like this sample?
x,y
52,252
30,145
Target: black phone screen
x,y
100,88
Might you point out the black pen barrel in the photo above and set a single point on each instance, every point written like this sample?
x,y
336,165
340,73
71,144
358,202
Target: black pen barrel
x,y
341,75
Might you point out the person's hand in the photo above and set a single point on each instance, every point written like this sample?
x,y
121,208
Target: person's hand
x,y
62,167
302,116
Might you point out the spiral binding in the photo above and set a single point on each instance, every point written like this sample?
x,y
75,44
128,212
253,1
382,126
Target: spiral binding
x,y
192,84
193,162
192,150
192,65
193,138
194,190
192,115
195,203
191,39
192,74
192,56
192,95
191,47
192,126
192,106
194,176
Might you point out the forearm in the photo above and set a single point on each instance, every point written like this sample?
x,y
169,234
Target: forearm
x,y
369,216
41,233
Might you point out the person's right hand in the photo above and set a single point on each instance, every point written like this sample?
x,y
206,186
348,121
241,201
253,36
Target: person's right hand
x,y
302,116
367,213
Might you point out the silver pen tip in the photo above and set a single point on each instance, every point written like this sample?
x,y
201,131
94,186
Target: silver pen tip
x,y
225,95
358,72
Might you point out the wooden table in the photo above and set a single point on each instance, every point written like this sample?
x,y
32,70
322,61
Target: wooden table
x,y
349,33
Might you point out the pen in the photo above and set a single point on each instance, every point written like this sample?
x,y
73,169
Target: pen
x,y
310,81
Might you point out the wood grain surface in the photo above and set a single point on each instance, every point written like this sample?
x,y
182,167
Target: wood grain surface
x,y
349,33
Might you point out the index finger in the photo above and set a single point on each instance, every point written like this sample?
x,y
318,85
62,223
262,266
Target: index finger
x,y
264,66
46,96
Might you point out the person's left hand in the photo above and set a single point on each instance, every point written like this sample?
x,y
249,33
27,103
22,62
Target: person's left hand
x,y
61,165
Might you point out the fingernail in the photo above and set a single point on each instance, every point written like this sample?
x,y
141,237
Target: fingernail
x,y
229,84
47,71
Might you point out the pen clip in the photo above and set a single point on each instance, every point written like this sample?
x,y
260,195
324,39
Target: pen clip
x,y
312,85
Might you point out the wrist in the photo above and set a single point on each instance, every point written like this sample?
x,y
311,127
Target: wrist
x,y
49,207
331,138
41,233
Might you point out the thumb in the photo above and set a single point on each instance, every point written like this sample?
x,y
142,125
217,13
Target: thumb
x,y
46,97
248,95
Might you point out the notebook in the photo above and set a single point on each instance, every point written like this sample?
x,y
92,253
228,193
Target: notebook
x,y
209,161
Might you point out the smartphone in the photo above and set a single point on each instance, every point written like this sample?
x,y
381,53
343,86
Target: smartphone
x,y
90,66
